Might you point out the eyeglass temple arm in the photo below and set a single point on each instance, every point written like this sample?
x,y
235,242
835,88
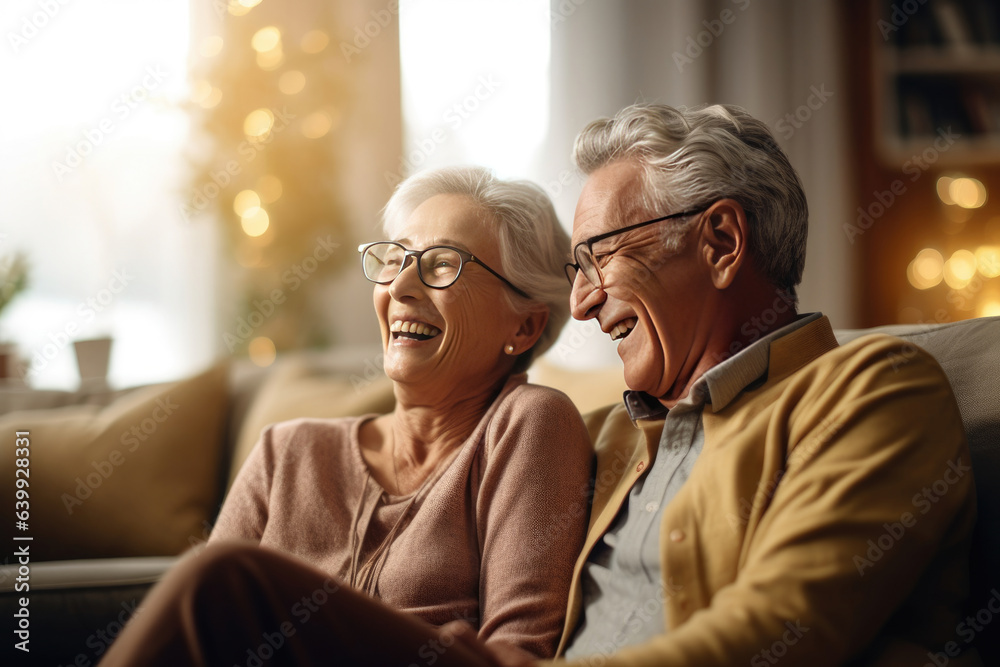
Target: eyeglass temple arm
x,y
473,258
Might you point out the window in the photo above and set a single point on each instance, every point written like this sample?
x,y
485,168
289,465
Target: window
x,y
93,167
475,84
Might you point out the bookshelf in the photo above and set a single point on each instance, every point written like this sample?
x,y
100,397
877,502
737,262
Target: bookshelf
x,y
937,66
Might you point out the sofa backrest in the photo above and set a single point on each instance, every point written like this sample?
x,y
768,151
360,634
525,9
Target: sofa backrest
x,y
969,353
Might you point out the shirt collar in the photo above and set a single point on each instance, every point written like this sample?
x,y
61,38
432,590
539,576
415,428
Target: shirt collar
x,y
719,385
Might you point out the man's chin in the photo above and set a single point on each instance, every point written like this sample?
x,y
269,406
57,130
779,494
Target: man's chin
x,y
638,381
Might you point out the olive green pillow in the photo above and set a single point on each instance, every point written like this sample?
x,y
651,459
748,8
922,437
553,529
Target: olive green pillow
x,y
138,477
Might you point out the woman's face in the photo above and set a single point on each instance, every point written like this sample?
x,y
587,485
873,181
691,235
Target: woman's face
x,y
457,335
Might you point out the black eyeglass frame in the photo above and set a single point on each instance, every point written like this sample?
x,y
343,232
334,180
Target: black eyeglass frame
x,y
606,235
464,255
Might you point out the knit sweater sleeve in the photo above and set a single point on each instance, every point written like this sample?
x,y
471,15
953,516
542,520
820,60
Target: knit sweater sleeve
x,y
244,512
531,516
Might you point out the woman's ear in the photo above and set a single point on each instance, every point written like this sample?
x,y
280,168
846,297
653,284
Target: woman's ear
x,y
724,239
531,328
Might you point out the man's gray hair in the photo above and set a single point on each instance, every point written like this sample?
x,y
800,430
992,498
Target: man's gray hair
x,y
533,245
693,157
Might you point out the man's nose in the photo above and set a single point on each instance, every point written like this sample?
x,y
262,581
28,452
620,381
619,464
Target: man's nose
x,y
585,300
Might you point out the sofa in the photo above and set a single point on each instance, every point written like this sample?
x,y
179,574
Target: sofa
x,y
122,482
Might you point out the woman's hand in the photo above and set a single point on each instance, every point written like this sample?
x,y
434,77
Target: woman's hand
x,y
498,654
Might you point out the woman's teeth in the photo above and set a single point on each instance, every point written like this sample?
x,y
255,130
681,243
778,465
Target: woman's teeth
x,y
414,329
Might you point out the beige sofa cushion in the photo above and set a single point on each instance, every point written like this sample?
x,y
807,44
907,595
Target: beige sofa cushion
x,y
137,477
300,389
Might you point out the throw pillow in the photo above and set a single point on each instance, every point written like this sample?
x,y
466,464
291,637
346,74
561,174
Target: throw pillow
x,y
138,477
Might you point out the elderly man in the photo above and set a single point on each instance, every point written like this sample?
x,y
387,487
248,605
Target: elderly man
x,y
761,492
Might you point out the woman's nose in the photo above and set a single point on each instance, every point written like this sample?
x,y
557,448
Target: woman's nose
x,y
407,282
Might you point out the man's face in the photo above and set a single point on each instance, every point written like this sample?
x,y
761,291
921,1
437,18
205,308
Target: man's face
x,y
653,302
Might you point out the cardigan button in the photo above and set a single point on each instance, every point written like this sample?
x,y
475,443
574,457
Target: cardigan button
x,y
642,464
677,535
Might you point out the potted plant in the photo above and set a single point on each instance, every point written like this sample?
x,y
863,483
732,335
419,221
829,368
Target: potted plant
x,y
13,280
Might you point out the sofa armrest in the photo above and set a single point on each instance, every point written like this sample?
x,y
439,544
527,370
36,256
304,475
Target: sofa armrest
x,y
76,608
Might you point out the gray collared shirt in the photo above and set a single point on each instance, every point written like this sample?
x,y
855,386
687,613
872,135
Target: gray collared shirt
x,y
623,588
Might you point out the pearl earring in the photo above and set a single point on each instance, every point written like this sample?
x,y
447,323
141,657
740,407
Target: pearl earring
x,y
509,349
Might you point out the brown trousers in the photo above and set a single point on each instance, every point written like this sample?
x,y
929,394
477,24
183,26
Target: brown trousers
x,y
237,604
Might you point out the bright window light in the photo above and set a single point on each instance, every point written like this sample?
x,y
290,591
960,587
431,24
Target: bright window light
x,y
92,133
475,83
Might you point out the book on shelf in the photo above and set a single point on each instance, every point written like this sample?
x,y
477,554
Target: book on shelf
x,y
952,24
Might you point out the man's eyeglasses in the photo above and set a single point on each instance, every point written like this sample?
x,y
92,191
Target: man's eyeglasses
x,y
589,265
438,266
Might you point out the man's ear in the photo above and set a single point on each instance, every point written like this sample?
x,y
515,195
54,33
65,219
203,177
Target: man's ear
x,y
724,241
531,328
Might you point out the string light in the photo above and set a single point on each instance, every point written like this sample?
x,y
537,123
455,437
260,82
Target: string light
x,y
265,39
988,261
262,351
926,270
258,124
246,203
959,269
256,222
967,192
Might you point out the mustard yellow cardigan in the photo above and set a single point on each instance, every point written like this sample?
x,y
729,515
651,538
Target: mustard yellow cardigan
x,y
826,522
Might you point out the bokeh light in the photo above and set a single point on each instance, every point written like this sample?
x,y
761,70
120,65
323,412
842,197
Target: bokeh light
x,y
960,269
926,270
270,60
943,183
967,192
269,187
258,124
988,261
314,41
315,125
256,222
237,8
266,39
989,308
262,351
246,203
291,82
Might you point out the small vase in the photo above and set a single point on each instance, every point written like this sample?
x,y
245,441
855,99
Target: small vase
x,y
92,358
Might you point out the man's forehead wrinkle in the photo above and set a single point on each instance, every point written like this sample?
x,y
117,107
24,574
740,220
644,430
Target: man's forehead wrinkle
x,y
615,205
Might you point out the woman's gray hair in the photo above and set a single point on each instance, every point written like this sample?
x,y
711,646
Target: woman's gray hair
x,y
694,157
533,245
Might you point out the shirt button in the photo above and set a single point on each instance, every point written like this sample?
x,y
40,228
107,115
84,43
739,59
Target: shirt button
x,y
677,535
639,467
651,507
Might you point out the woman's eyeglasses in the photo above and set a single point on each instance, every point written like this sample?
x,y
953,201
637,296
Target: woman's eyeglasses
x,y
438,266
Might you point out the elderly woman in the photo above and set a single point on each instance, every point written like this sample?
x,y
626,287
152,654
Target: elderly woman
x,y
467,502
